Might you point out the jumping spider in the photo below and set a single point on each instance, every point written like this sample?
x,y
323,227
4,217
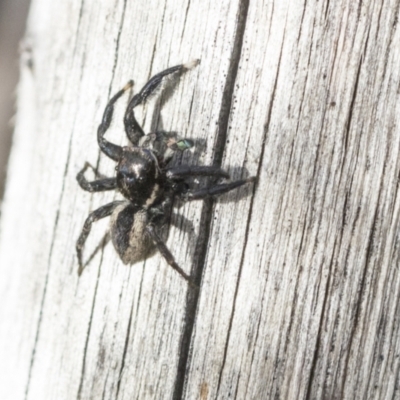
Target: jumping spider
x,y
146,181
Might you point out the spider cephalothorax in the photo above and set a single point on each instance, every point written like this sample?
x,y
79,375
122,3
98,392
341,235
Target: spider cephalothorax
x,y
138,176
146,181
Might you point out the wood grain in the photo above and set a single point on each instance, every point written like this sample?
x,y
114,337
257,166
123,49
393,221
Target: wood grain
x,y
299,273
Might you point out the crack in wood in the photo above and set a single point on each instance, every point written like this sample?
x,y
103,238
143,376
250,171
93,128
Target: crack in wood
x,y
124,352
206,215
327,237
121,25
314,361
79,394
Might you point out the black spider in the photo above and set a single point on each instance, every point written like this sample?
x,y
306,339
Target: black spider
x,y
146,181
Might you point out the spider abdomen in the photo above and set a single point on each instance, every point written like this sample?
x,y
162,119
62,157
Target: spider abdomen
x,y
128,233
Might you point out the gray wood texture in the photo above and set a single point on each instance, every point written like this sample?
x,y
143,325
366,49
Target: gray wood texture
x,y
300,278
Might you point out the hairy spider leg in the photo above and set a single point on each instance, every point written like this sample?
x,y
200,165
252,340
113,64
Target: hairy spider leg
x,y
100,213
132,128
169,258
186,171
99,185
215,190
109,149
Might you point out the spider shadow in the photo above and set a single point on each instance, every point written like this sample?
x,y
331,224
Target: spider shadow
x,y
100,246
185,225
164,97
237,173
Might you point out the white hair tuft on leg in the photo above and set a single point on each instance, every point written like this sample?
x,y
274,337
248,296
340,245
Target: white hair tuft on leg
x,y
191,64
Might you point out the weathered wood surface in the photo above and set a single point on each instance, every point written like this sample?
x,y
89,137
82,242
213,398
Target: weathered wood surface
x,y
299,275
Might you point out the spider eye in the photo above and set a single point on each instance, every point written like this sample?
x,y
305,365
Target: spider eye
x,y
128,178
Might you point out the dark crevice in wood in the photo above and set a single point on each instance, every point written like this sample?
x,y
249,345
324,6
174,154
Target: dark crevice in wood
x,y
379,21
156,114
303,231
76,35
316,354
227,96
302,21
345,211
191,108
253,354
184,23
162,22
351,109
124,352
139,297
292,317
389,49
153,54
237,387
271,18
359,11
121,25
327,9
303,96
103,395
331,70
79,394
383,239
206,214
361,291
268,119
394,334
364,54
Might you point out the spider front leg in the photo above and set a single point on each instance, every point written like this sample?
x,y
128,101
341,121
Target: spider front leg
x,y
100,213
132,128
163,249
95,186
186,171
215,190
109,149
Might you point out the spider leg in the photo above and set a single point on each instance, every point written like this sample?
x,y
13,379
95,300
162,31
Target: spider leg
x,y
215,190
132,128
109,149
96,172
95,186
100,213
163,249
185,171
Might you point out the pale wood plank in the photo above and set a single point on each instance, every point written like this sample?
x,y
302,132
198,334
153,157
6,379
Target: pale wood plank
x,y
78,344
314,314
299,274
